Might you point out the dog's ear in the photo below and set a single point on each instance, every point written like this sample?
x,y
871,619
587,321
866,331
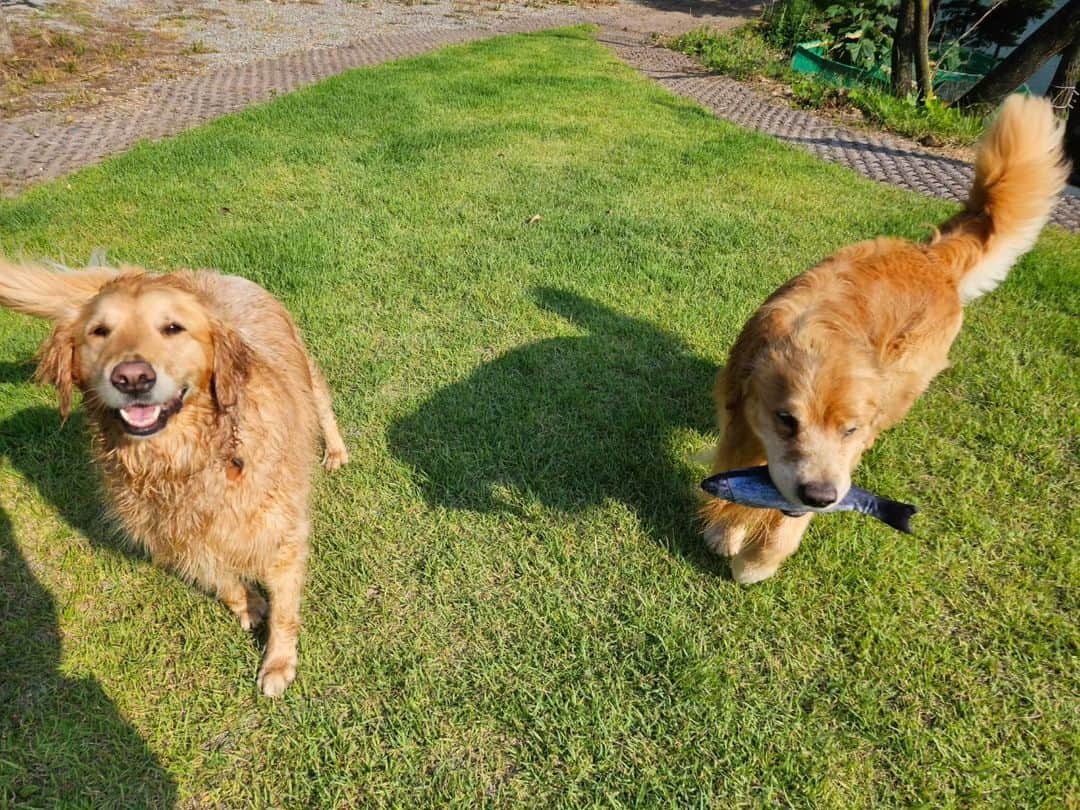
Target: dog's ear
x,y
54,294
739,367
232,365
763,328
57,366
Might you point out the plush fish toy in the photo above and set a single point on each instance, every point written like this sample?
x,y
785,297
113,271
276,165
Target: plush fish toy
x,y
753,487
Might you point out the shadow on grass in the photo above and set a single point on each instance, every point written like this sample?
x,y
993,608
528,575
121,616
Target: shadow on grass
x,y
571,422
63,742
19,372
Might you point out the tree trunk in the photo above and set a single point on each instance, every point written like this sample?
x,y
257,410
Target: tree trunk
x,y
1050,39
903,49
924,78
1072,141
1062,89
7,46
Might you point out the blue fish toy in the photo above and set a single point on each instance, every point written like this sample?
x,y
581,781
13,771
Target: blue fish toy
x,y
753,487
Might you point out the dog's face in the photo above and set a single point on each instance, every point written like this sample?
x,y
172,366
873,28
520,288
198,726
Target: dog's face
x,y
815,417
141,352
140,349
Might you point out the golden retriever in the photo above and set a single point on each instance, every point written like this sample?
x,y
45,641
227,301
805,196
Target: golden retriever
x,y
841,352
205,410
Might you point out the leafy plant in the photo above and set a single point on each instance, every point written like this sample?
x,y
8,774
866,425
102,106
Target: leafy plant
x,y
904,116
745,53
786,23
861,31
907,116
741,53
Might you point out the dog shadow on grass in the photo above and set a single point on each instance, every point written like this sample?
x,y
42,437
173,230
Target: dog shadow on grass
x,y
62,740
572,422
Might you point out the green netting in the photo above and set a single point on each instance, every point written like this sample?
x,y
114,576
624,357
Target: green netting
x,y
809,57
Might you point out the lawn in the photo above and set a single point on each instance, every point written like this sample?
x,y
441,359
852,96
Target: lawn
x,y
521,265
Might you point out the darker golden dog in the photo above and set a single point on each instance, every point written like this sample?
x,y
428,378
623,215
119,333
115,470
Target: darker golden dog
x,y
841,352
206,411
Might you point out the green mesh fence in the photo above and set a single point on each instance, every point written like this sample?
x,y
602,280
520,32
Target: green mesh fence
x,y
809,57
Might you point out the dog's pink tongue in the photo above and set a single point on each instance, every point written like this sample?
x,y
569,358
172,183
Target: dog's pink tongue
x,y
141,416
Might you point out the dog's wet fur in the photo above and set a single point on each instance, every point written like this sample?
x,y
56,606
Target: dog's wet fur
x,y
842,351
206,411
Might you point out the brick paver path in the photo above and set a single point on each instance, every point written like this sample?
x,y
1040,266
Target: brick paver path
x,y
43,146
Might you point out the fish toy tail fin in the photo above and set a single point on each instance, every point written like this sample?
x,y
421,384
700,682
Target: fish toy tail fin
x,y
895,514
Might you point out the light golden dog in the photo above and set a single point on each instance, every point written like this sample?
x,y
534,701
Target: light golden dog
x,y
205,409
841,352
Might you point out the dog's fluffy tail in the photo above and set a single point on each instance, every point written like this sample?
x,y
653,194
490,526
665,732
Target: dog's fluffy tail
x,y
47,293
1019,172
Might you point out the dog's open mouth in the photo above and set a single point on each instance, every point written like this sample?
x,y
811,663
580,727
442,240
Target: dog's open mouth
x,y
146,419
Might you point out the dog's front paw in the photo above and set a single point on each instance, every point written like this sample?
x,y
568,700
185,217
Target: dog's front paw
x,y
724,539
276,675
748,573
335,457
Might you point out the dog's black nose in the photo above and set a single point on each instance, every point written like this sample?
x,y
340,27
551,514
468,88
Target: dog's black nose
x,y
133,377
817,494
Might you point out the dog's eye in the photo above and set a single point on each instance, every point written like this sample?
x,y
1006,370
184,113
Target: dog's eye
x,y
788,421
101,330
172,329
850,431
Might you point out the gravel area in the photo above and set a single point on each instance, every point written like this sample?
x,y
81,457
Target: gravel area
x,y
216,33
251,51
242,30
239,31
75,55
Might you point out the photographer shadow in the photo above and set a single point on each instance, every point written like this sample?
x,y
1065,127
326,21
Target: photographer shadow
x,y
572,422
63,739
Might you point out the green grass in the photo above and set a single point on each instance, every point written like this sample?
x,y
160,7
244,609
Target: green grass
x,y
508,602
901,115
745,53
741,52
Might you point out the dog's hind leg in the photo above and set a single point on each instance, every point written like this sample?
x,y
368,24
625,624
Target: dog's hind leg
x,y
285,583
336,453
205,571
243,600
